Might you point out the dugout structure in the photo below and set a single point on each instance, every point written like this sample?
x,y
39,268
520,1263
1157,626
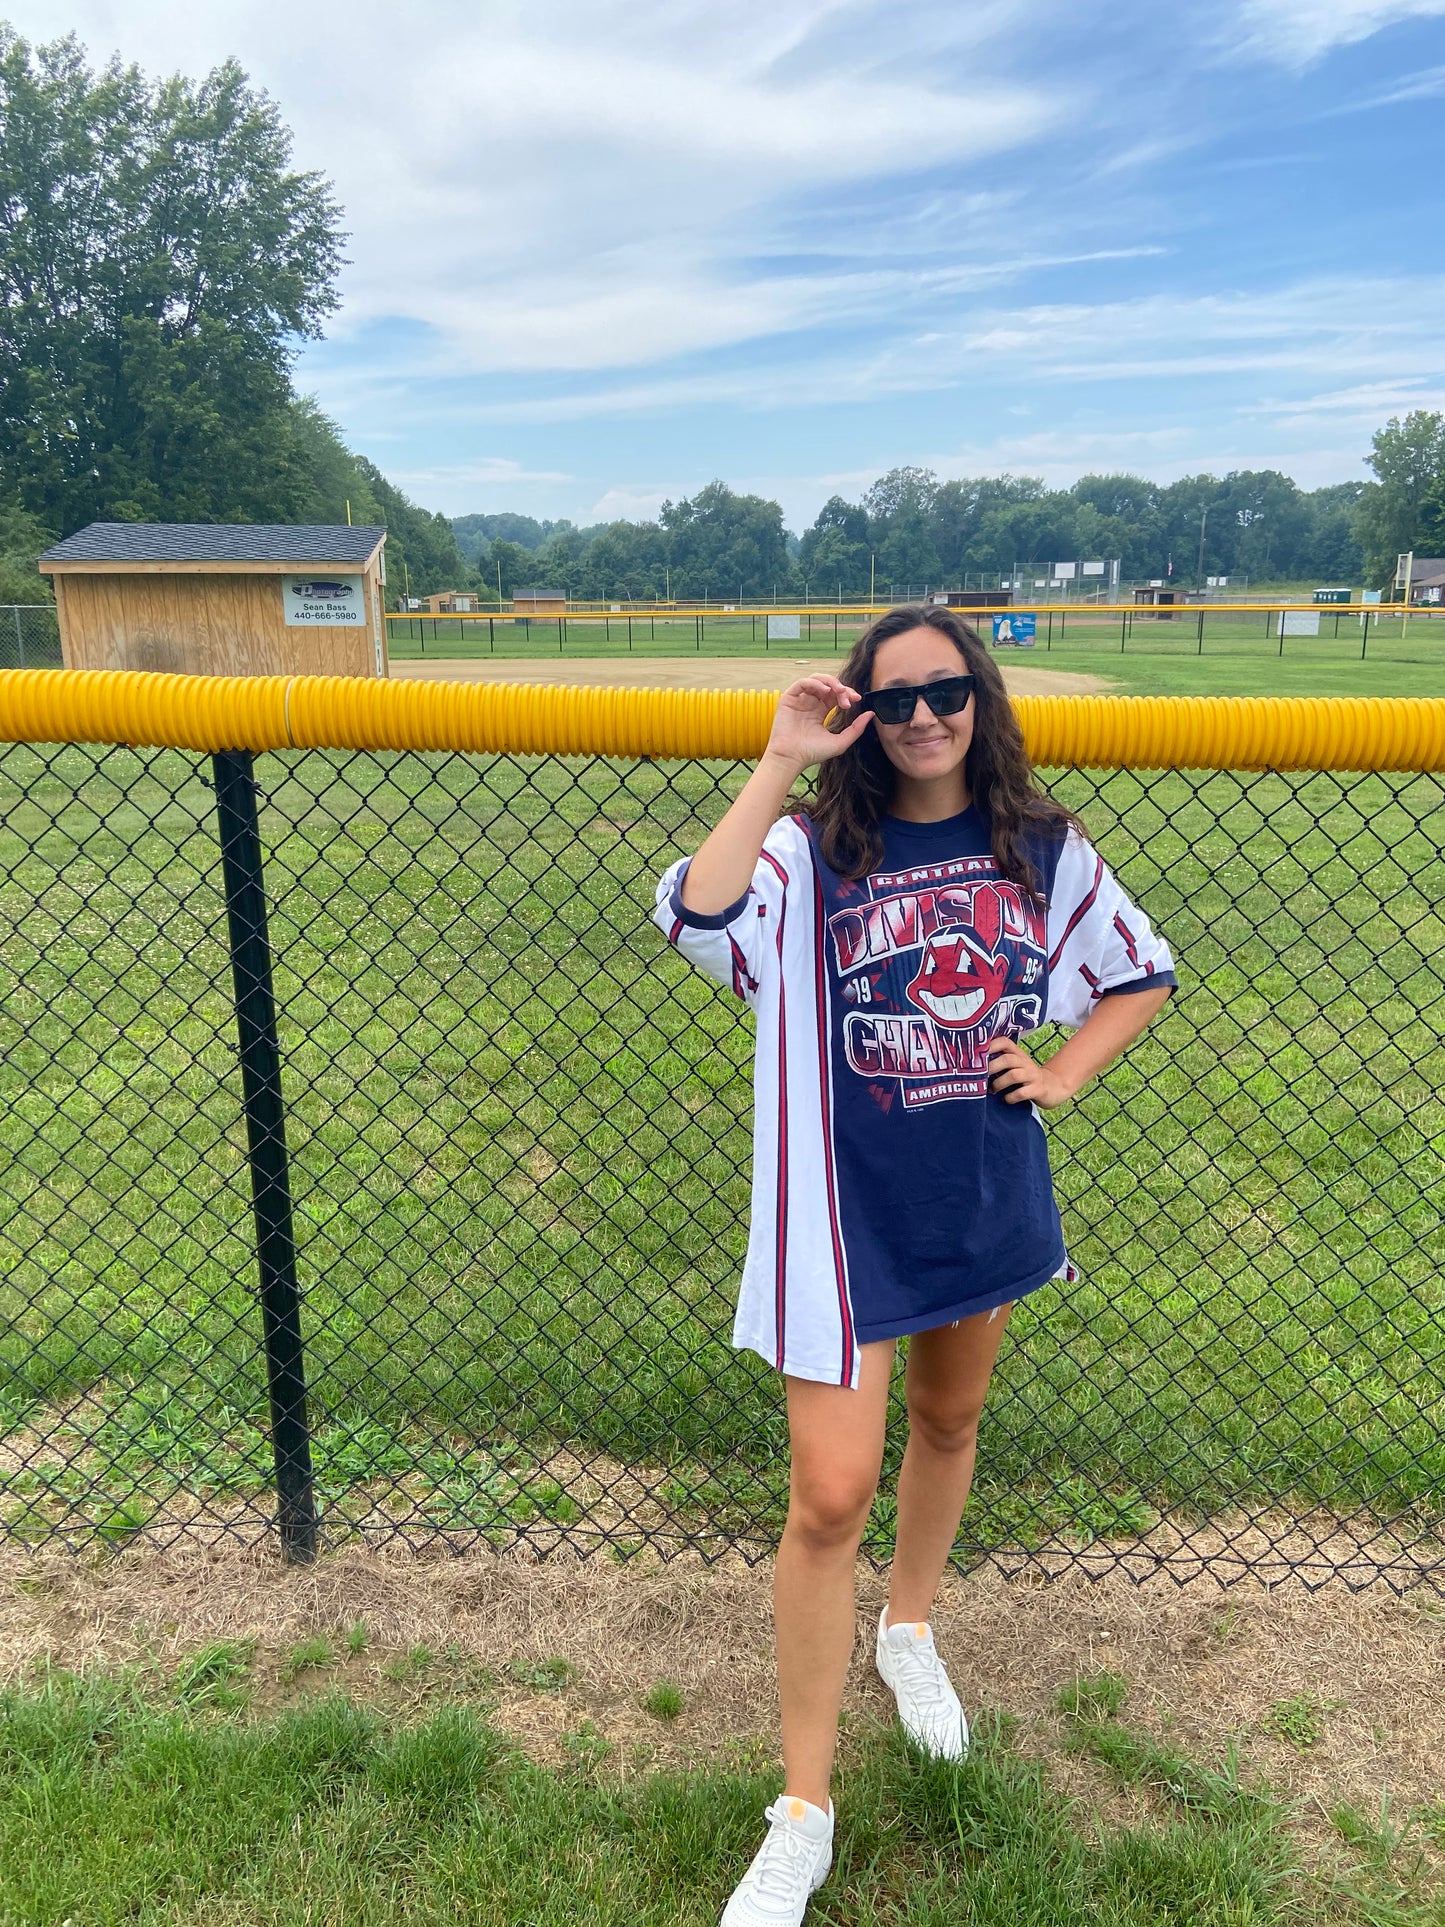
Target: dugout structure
x,y
223,599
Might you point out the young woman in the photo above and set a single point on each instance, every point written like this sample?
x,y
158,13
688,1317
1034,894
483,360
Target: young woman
x,y
896,934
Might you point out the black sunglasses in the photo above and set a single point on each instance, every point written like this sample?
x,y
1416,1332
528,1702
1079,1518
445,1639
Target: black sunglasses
x,y
944,697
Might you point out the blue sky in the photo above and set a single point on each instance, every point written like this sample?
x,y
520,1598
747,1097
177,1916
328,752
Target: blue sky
x,y
604,250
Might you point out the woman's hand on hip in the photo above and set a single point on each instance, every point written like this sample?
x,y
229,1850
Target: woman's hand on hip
x,y
1015,1077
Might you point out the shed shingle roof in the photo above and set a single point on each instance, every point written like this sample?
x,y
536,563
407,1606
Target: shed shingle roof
x,y
215,542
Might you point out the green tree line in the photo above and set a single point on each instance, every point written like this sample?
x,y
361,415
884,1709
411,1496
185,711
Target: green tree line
x,y
912,530
160,262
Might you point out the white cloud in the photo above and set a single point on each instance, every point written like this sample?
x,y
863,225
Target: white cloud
x,y
644,316
483,471
578,186
599,210
1297,32
633,502
1338,331
1424,85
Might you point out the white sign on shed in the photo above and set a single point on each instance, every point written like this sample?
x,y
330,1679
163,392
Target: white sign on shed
x,y
330,599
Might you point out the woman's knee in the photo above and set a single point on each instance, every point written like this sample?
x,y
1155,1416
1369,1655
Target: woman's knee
x,y
946,1426
830,1509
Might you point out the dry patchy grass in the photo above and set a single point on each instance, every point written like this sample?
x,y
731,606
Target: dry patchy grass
x,y
1205,1663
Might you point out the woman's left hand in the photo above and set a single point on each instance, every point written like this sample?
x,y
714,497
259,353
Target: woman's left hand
x,y
1017,1079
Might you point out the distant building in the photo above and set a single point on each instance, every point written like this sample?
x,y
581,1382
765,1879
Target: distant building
x,y
452,602
971,598
1427,580
540,602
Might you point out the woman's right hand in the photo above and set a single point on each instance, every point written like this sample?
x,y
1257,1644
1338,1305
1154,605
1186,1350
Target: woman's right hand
x,y
798,735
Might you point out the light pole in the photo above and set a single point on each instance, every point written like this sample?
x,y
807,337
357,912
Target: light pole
x,y
1199,571
872,576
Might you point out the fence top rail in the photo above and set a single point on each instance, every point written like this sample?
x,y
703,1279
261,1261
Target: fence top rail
x,y
137,707
1077,606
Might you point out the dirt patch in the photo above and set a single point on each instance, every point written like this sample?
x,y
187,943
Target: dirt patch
x,y
700,672
1205,1664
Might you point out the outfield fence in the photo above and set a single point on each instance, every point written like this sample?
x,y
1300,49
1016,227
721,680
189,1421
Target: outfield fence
x,y
29,636
374,1170
1333,632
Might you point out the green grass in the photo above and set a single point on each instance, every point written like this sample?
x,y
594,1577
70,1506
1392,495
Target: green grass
x,y
665,1701
520,1134
1240,654
120,1804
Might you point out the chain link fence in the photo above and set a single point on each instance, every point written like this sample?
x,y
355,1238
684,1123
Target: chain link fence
x,y
29,636
518,1129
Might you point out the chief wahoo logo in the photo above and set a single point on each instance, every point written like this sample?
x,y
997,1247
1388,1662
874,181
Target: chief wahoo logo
x,y
959,981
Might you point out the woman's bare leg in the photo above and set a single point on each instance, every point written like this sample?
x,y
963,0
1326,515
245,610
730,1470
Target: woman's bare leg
x,y
837,1453
947,1380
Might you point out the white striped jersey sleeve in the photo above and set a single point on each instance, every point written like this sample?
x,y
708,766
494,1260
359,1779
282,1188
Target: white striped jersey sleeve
x,y
794,1301
1098,940
739,946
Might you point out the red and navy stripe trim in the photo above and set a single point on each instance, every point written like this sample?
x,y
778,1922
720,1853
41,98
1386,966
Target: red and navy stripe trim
x,y
1081,911
781,1206
742,977
840,1274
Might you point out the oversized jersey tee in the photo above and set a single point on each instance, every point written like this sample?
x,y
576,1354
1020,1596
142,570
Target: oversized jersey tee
x,y
893,1191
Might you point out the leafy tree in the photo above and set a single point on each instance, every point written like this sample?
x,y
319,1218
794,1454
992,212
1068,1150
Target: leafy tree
x,y
476,533
829,562
22,539
956,518
1334,555
1120,516
835,549
1027,533
1122,498
723,544
901,492
159,258
328,479
1402,508
519,568
1432,518
626,561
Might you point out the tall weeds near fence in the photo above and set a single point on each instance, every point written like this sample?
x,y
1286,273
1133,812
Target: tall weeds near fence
x,y
518,1135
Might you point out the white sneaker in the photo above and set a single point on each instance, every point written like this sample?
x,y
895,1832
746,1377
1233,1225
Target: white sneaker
x,y
927,1703
790,1865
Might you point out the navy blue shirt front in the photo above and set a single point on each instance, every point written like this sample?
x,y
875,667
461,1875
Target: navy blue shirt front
x,y
944,1192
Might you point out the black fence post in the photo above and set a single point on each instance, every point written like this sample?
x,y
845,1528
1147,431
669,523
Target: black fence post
x,y
266,1143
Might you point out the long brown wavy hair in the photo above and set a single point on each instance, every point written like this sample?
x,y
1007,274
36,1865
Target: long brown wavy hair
x,y
853,790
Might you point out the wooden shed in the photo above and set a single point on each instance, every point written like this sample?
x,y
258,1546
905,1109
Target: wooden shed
x,y
540,602
221,599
